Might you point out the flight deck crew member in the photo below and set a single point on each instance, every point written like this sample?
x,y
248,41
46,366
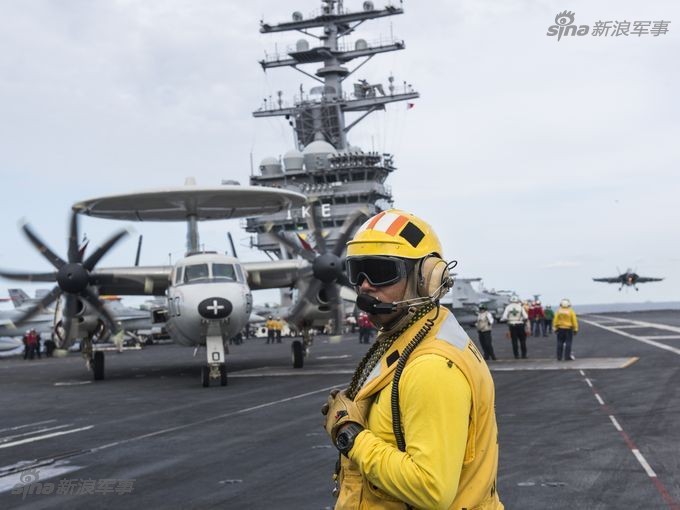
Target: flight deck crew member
x,y
31,343
25,341
50,345
118,336
271,329
549,316
537,321
279,329
516,316
439,447
365,328
38,347
565,325
484,325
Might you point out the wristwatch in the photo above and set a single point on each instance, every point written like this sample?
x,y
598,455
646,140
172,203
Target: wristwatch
x,y
344,441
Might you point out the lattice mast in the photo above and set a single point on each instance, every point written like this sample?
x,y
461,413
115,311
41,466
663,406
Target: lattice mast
x,y
319,115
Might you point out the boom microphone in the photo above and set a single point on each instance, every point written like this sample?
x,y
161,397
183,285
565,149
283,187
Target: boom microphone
x,y
371,305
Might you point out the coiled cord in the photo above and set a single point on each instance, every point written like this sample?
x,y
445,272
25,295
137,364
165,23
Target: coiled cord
x,y
394,402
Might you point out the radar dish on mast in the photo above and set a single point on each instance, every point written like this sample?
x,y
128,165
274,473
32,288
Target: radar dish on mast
x,y
302,45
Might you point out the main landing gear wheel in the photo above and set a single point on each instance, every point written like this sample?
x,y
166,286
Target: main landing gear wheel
x,y
223,375
205,376
98,365
298,354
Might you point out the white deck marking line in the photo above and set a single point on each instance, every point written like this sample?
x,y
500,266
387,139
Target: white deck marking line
x,y
9,438
643,324
661,337
582,373
291,373
643,463
637,338
588,382
46,436
628,326
599,399
641,459
212,418
8,482
27,425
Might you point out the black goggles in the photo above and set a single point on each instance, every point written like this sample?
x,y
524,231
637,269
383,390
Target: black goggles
x,y
379,271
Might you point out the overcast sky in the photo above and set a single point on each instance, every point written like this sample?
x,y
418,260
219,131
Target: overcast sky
x,y
540,163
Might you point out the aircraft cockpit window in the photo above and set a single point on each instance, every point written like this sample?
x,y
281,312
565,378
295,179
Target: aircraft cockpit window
x,y
239,273
195,272
224,271
179,275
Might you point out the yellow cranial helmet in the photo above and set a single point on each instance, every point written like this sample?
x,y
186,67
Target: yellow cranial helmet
x,y
395,233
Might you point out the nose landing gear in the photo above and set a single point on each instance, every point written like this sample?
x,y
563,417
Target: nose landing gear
x,y
215,369
214,372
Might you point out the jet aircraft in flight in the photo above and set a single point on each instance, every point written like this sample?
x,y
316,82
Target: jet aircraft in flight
x,y
629,278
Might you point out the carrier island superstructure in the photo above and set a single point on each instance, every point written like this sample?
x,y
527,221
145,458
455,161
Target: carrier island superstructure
x,y
337,177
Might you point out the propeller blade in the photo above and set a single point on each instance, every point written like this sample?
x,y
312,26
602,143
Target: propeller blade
x,y
303,299
68,325
29,277
139,249
93,300
73,249
347,229
294,248
306,273
343,280
70,306
335,300
231,243
47,300
55,260
316,227
93,259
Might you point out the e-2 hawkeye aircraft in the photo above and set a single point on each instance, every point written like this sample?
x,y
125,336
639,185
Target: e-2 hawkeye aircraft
x,y
208,294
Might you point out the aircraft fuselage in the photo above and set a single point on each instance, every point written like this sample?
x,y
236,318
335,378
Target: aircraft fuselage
x,y
208,294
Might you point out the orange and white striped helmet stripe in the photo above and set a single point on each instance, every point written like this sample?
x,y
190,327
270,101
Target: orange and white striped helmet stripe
x,y
392,224
387,222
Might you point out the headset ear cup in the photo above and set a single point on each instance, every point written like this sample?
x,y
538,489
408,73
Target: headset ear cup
x,y
433,273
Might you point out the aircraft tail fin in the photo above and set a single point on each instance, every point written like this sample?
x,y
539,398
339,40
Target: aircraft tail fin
x,y
18,297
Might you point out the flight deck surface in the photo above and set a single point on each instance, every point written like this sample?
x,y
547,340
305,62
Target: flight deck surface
x,y
598,432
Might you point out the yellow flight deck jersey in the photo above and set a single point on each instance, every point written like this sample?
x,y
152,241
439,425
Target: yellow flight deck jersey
x,y
446,398
565,318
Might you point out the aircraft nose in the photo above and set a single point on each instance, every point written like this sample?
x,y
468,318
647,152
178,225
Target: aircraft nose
x,y
215,308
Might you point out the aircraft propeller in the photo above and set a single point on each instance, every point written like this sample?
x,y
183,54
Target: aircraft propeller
x,y
73,277
326,272
231,243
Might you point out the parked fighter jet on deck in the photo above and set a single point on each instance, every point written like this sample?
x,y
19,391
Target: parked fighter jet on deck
x,y
629,278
